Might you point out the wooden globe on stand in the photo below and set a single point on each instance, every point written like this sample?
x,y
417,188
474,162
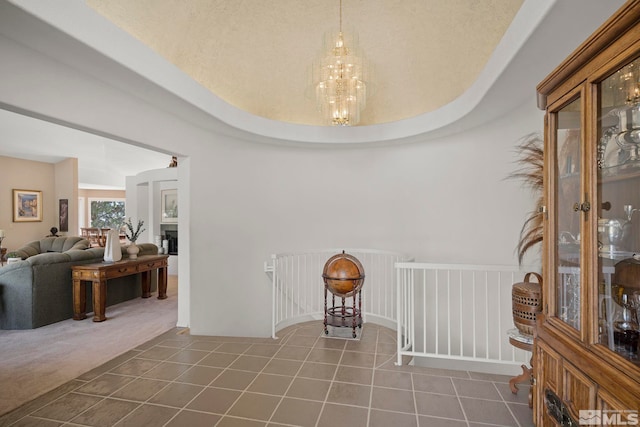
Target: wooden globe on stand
x,y
343,274
343,277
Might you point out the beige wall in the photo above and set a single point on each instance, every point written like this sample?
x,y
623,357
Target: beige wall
x,y
56,181
66,179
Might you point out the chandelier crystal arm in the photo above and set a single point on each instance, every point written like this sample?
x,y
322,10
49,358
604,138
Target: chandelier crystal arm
x,y
340,81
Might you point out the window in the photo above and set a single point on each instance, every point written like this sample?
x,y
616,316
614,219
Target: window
x,y
106,213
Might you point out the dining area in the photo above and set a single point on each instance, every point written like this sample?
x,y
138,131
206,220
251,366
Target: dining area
x,y
97,236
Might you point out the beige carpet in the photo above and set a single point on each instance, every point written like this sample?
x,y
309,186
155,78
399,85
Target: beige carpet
x,y
33,362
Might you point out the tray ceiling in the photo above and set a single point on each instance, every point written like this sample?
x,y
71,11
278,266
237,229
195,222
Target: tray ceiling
x,y
257,54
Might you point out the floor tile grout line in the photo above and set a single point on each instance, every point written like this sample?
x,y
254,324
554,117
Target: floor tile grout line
x,y
455,389
415,400
181,409
71,391
138,377
66,394
446,394
507,405
377,368
159,390
326,396
242,392
168,382
194,397
501,400
139,404
295,376
373,376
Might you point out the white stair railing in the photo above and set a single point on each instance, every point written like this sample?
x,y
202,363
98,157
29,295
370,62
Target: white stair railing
x,y
459,312
440,311
298,288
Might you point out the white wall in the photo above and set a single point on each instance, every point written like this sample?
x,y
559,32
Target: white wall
x,y
444,200
143,195
440,201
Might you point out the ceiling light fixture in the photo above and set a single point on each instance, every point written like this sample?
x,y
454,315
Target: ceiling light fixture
x,y
339,79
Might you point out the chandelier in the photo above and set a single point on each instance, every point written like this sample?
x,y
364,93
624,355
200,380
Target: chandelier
x,y
339,80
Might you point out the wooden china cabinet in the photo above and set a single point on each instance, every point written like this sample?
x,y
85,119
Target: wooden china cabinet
x,y
586,344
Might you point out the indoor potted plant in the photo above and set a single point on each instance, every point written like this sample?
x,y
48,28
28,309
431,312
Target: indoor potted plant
x,y
132,235
527,296
13,257
531,161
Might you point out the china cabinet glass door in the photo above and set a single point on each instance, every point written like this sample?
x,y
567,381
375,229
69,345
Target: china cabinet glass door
x,y
567,208
618,185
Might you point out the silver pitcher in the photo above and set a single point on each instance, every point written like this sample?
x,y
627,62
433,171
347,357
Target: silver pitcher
x,y
614,234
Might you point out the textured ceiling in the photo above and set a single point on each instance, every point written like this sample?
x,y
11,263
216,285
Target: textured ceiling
x,y
257,54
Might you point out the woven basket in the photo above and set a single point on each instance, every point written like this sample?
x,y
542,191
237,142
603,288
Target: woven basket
x,y
526,302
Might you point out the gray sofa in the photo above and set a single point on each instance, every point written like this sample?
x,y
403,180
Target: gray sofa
x,y
52,244
37,291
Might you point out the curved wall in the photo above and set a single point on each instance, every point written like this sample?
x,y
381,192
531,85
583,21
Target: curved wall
x,y
439,199
442,201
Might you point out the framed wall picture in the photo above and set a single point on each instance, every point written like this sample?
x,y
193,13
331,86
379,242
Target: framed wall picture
x,y
169,206
64,214
27,205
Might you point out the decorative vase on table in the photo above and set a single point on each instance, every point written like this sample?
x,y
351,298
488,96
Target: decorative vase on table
x,y
132,234
133,250
112,250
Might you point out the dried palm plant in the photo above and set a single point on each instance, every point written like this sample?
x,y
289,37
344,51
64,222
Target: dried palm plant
x,y
531,162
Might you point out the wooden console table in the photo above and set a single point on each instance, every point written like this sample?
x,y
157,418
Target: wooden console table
x,y
99,273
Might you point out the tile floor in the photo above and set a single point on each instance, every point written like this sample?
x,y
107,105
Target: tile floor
x,y
302,379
